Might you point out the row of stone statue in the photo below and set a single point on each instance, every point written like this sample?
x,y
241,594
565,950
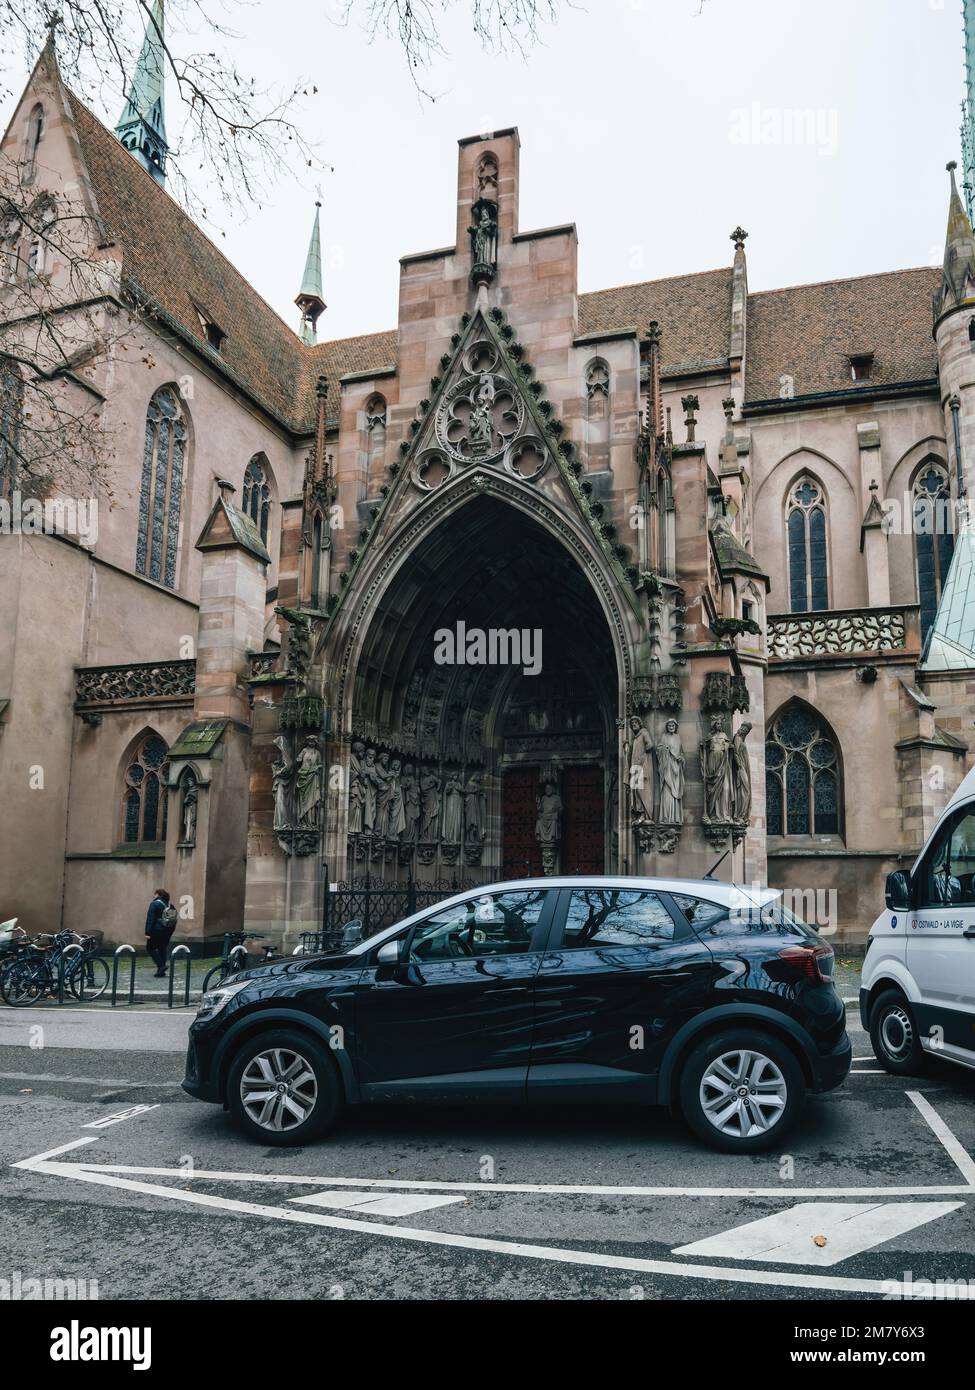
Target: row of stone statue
x,y
392,800
657,780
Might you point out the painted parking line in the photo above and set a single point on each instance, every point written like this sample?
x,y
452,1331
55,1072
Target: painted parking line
x,y
844,1229
385,1204
118,1116
958,1154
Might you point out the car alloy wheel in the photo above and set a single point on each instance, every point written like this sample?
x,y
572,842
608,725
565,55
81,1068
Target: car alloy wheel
x,y
743,1093
278,1089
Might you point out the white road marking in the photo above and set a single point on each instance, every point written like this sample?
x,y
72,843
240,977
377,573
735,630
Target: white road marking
x,y
111,1082
786,1237
388,1204
959,1155
553,1254
119,1116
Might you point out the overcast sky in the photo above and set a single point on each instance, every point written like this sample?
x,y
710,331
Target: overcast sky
x,y
653,127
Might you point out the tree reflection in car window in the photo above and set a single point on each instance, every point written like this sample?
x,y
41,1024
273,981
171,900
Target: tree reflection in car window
x,y
490,925
949,878
616,917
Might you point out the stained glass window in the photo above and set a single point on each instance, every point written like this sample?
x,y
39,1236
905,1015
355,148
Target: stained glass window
x,y
807,544
257,495
144,800
802,775
934,539
161,492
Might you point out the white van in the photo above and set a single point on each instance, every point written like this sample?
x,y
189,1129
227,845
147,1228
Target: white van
x,y
918,985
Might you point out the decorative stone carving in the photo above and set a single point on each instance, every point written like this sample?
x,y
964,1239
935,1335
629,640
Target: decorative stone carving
x,y
670,770
482,412
796,635
474,813
395,806
453,810
639,777
372,779
190,791
742,774
484,240
309,795
656,692
144,680
724,692
548,826
282,774
718,774
429,808
410,788
357,789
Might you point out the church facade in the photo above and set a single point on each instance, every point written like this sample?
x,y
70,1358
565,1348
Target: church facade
x,y
536,582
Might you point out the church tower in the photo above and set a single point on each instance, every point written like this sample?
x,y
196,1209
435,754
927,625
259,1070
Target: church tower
x,y
310,298
954,334
142,124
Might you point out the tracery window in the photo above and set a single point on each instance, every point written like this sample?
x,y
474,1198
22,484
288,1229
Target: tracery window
x,y
163,466
934,540
597,413
35,134
144,796
806,530
803,781
257,495
11,415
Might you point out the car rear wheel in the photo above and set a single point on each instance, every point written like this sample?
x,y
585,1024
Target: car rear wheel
x,y
741,1090
283,1088
894,1035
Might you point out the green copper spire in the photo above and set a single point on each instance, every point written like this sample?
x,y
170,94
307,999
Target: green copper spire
x,y
951,640
310,298
142,124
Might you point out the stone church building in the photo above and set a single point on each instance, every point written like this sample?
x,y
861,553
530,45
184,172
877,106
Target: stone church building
x,y
535,582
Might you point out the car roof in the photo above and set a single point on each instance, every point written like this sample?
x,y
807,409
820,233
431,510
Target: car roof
x,y
711,890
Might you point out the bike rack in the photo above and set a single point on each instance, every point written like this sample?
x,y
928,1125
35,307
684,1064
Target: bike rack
x,y
183,951
116,962
73,948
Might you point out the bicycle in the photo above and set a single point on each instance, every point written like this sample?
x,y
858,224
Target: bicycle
x,y
36,971
229,963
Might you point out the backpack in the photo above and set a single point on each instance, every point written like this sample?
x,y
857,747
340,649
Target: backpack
x,y
169,916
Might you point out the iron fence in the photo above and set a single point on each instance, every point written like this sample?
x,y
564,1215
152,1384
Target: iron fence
x,y
377,903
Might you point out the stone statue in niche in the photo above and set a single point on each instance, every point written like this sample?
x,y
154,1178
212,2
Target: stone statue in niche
x,y
370,789
742,775
670,768
453,810
548,826
430,806
639,757
484,233
188,808
357,789
718,774
282,773
411,804
308,785
481,431
474,810
384,792
395,807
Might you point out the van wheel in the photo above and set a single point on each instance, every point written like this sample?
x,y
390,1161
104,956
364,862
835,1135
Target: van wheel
x,y
283,1088
895,1037
741,1090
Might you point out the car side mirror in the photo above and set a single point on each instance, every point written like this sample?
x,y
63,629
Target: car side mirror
x,y
897,893
388,953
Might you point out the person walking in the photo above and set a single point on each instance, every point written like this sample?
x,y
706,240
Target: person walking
x,y
161,922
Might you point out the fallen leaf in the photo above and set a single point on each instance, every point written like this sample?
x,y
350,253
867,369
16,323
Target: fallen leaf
x,y
819,1240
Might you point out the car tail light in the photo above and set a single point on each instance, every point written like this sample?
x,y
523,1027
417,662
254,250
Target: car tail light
x,y
812,962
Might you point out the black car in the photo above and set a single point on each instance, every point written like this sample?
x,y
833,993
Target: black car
x,y
673,992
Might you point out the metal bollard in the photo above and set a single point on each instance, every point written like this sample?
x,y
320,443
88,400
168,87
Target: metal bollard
x,y
61,963
183,951
115,965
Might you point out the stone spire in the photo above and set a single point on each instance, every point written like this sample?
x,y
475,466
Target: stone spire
x,y
739,308
958,279
142,124
310,298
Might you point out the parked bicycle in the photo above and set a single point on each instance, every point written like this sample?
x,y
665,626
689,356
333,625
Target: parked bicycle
x,y
37,970
234,957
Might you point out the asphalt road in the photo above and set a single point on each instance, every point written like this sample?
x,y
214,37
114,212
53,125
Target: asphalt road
x,y
170,1202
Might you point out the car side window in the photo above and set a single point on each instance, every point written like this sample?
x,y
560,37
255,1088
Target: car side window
x,y
948,876
615,917
492,924
699,911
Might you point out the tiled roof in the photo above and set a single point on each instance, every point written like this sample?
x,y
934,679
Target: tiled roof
x,y
805,332
694,313
808,332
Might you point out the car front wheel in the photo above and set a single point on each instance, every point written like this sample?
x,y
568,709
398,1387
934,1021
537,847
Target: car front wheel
x,y
283,1088
741,1090
894,1035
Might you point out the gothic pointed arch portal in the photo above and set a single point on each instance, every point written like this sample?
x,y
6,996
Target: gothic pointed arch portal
x,y
478,689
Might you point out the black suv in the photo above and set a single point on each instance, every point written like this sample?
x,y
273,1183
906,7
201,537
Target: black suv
x,y
688,993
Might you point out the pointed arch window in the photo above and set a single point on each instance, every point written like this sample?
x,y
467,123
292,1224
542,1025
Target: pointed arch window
x,y
934,540
806,531
160,498
35,134
144,794
665,521
11,415
257,495
803,782
597,413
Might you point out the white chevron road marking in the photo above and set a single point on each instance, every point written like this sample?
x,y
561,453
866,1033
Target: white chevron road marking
x,y
788,1237
377,1204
